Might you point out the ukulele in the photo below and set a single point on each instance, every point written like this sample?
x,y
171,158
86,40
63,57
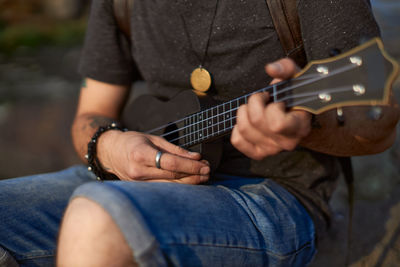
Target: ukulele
x,y
361,76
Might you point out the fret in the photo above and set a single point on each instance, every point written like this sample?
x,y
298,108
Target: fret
x,y
200,127
245,98
179,133
233,121
275,94
185,130
203,127
234,111
204,124
223,116
215,124
203,130
207,117
230,114
209,122
198,130
192,129
242,100
220,118
226,116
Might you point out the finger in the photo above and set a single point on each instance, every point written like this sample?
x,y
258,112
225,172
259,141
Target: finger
x,y
256,143
142,173
240,143
280,122
176,163
303,121
146,156
276,80
283,69
260,126
276,118
248,126
257,152
174,149
194,180
255,110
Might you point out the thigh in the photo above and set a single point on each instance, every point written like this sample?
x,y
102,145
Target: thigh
x,y
31,209
245,222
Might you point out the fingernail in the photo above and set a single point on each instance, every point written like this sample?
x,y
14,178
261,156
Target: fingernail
x,y
193,153
204,178
276,67
205,170
206,162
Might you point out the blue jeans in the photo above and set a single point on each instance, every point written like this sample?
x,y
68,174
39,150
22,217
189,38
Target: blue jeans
x,y
232,221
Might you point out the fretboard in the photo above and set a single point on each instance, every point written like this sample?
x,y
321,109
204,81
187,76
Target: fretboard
x,y
220,120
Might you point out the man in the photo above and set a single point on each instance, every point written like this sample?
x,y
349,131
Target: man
x,y
169,208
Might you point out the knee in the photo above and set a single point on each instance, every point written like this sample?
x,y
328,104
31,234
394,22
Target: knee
x,y
83,218
90,237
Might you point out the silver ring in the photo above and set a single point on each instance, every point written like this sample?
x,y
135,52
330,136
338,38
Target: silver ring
x,y
158,157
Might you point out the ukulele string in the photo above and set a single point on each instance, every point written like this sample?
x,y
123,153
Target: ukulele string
x,y
303,77
203,114
230,120
274,95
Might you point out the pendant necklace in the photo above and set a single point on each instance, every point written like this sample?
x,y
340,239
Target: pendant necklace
x,y
200,78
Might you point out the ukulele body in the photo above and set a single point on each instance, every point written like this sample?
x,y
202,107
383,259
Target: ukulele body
x,y
147,113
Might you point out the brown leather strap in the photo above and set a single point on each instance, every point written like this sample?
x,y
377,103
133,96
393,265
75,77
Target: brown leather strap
x,y
122,13
287,24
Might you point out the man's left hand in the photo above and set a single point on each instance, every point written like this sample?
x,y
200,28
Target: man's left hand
x,y
262,128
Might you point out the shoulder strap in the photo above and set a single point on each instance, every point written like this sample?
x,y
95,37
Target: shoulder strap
x,y
287,24
122,13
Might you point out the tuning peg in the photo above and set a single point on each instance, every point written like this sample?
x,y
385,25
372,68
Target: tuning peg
x,y
375,113
340,116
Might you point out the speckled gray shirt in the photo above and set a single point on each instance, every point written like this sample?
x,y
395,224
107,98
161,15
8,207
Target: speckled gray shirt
x,y
242,41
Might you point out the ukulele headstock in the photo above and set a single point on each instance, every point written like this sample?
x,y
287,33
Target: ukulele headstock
x,y
361,76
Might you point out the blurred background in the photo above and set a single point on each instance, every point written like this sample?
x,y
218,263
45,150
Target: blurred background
x,y
40,43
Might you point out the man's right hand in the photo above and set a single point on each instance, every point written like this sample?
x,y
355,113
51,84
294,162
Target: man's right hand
x,y
131,156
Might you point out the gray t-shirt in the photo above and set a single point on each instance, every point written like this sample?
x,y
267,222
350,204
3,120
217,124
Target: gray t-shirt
x,y
242,41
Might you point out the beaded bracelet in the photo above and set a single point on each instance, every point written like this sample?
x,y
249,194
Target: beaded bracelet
x,y
94,164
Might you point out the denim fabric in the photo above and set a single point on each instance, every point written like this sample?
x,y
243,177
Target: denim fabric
x,y
229,222
232,221
30,212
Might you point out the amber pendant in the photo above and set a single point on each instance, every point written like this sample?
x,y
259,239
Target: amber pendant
x,y
200,79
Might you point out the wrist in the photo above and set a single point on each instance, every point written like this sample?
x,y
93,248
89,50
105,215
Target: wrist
x,y
97,144
106,145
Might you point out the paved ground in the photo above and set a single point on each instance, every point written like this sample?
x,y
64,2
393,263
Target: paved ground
x,y
37,98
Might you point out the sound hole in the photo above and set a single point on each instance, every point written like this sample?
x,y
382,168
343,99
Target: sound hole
x,y
172,134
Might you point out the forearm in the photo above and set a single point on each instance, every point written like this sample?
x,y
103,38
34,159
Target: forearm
x,y
359,135
99,105
83,128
